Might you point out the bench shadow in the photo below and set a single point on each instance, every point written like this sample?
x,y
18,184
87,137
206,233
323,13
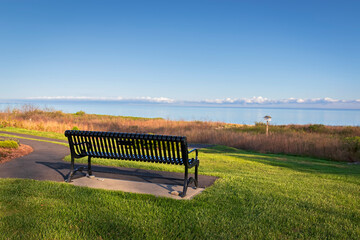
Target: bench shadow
x,y
129,174
57,167
165,180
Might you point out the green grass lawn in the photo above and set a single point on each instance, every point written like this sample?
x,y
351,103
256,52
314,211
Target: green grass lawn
x,y
257,196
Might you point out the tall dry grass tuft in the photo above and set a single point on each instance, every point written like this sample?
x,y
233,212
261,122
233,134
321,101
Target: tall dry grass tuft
x,y
335,143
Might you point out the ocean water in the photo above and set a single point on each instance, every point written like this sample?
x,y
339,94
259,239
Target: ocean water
x,y
178,112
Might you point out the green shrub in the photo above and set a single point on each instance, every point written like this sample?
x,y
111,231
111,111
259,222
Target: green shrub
x,y
55,114
316,128
75,128
352,144
80,113
14,140
9,144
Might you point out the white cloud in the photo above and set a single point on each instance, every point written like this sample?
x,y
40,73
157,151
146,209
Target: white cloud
x,y
155,99
137,99
330,100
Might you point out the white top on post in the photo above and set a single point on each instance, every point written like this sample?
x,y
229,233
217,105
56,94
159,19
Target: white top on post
x,y
267,118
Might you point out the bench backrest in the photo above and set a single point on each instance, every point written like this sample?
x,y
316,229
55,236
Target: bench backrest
x,y
129,146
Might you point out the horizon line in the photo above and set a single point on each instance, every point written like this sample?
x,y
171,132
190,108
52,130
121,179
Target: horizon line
x,y
297,103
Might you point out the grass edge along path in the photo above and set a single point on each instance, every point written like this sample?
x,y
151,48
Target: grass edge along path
x,y
53,135
258,196
34,139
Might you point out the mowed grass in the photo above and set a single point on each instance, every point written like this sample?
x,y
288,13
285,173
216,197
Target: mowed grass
x,y
257,196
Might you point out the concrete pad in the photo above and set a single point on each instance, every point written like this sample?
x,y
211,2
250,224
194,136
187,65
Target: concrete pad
x,y
157,189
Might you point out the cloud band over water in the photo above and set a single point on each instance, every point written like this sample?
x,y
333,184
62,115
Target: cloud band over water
x,y
230,102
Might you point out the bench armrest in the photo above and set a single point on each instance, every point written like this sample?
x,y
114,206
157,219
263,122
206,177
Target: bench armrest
x,y
196,152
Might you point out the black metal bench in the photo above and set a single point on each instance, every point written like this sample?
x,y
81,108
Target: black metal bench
x,y
132,146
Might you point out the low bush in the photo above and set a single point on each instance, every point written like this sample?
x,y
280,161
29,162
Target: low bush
x,y
75,128
316,128
9,144
352,144
80,113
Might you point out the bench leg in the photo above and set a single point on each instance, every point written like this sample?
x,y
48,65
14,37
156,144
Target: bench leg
x,y
183,194
196,175
188,181
89,167
71,173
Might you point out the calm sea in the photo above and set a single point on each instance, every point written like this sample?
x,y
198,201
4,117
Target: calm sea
x,y
223,114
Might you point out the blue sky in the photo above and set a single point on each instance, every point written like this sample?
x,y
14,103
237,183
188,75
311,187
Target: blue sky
x,y
180,50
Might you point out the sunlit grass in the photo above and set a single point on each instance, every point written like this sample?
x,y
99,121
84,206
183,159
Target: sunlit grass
x,y
53,135
256,196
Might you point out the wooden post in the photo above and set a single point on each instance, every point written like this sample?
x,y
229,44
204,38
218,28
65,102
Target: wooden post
x,y
267,119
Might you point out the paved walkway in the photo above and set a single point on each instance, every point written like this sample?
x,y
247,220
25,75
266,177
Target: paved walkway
x,y
41,164
45,163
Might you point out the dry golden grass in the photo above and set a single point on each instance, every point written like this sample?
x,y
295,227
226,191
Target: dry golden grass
x,y
335,143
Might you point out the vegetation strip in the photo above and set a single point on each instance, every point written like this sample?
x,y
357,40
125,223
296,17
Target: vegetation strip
x,y
52,135
34,139
314,140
